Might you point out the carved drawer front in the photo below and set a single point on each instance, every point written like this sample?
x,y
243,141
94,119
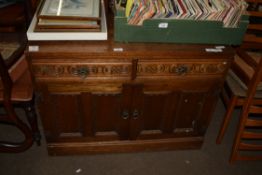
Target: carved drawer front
x,y
79,71
171,68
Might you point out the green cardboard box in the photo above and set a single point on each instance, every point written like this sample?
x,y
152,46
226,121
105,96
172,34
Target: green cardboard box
x,y
178,31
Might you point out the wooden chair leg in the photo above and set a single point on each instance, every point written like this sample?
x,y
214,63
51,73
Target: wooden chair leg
x,y
12,119
227,118
235,153
29,108
240,129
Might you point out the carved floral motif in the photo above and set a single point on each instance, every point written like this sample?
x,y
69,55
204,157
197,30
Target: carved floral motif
x,y
81,70
46,70
181,68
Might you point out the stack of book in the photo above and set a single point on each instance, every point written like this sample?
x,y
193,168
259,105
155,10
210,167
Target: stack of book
x,y
69,16
227,11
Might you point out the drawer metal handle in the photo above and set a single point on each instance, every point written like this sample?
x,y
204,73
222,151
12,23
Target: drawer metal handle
x,y
82,72
125,114
135,114
181,69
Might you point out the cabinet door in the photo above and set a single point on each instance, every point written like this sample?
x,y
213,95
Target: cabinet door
x,y
176,97
166,114
85,116
104,117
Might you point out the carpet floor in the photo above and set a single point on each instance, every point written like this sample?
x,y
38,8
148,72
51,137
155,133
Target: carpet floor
x,y
211,159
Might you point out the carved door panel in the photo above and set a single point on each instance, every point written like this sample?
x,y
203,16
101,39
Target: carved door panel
x,y
85,116
103,116
166,114
151,115
189,111
60,115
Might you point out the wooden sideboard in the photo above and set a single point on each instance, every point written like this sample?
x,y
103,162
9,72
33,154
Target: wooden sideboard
x,y
103,96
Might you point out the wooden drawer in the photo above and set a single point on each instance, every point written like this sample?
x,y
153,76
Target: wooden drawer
x,y
121,70
175,68
72,70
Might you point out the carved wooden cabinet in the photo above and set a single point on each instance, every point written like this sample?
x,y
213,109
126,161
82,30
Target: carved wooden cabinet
x,y
102,96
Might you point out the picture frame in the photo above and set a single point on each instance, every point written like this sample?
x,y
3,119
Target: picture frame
x,y
69,15
70,9
67,25
69,35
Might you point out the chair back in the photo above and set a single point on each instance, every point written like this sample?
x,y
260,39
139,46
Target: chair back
x,y
245,65
30,6
5,80
17,16
248,55
248,67
15,79
249,134
253,37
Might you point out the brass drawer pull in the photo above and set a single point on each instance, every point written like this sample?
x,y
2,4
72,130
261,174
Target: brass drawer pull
x,y
125,114
135,114
181,69
82,72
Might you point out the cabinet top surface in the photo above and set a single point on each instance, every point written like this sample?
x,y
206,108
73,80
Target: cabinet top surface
x,y
111,48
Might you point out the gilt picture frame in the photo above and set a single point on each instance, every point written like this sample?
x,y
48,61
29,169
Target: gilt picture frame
x,y
69,15
70,9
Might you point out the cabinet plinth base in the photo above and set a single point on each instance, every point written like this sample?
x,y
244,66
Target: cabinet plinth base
x,y
77,148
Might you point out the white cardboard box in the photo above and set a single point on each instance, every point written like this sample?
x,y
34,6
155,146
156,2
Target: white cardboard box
x,y
45,36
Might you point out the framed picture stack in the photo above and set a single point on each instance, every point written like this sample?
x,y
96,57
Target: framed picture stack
x,y
69,16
